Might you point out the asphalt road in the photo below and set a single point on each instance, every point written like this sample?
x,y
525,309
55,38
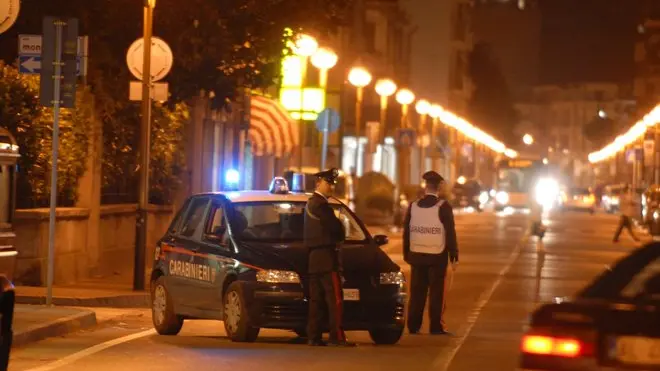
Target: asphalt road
x,y
499,280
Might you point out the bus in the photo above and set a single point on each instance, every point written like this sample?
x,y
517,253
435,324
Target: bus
x,y
519,179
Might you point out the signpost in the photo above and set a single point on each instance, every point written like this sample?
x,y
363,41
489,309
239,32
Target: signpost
x,y
58,88
8,13
161,59
328,121
29,54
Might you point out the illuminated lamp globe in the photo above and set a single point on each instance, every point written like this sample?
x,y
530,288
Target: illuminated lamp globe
x,y
435,111
324,58
359,77
405,96
385,87
305,45
423,107
528,139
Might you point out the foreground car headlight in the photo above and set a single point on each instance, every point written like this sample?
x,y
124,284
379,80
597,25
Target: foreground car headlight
x,y
483,197
392,278
275,276
502,197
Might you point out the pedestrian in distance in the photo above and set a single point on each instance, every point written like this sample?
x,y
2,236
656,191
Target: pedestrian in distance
x,y
628,208
323,232
429,246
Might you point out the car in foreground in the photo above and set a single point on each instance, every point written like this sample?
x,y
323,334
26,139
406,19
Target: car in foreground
x,y
612,324
239,257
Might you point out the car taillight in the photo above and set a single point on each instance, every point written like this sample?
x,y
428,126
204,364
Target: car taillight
x,y
551,346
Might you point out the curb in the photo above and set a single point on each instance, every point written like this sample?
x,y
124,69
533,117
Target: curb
x,y
120,301
55,328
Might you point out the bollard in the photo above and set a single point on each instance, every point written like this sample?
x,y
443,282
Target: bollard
x,y
7,299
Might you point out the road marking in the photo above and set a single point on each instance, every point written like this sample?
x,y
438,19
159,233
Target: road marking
x,y
445,358
92,350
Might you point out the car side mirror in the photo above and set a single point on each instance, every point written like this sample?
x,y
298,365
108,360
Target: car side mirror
x,y
381,240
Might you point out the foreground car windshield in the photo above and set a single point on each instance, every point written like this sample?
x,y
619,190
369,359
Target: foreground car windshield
x,y
283,222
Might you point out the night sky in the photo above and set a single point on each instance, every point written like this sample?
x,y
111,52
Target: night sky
x,y
588,40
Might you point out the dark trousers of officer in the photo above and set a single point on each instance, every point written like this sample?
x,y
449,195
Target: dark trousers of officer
x,y
625,222
427,280
325,291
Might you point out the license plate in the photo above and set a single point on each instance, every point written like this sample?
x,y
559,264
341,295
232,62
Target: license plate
x,y
351,294
637,350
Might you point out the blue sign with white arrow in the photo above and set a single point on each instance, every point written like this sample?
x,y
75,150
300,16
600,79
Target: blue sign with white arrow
x,y
31,64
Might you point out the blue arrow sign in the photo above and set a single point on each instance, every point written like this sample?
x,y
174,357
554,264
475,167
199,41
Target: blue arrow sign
x,y
31,64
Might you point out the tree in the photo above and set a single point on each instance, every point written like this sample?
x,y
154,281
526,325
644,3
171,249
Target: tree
x,y
31,125
491,106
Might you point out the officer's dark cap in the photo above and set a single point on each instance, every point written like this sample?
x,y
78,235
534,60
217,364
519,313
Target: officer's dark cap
x,y
432,178
329,175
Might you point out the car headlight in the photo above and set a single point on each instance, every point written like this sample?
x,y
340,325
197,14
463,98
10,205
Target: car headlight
x,y
502,197
392,278
614,200
275,276
483,197
547,191
656,215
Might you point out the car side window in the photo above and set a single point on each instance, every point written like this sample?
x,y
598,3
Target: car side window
x,y
195,217
645,282
174,226
216,226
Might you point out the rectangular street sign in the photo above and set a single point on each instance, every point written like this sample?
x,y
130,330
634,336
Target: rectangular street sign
x,y
69,52
29,54
31,64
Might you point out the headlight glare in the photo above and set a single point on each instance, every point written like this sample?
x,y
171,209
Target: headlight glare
x,y
275,276
502,197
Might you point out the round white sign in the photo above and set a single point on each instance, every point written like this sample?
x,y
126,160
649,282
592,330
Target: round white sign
x,y
8,13
161,58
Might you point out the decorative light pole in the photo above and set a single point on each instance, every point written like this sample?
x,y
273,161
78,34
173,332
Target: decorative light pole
x,y
358,77
385,88
404,97
304,47
422,107
324,59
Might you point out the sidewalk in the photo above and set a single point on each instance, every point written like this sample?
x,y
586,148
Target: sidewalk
x,y
35,322
83,296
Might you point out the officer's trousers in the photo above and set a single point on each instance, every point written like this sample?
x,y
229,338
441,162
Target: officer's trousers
x,y
325,291
427,280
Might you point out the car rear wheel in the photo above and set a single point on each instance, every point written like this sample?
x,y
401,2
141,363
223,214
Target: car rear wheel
x,y
386,336
235,315
165,321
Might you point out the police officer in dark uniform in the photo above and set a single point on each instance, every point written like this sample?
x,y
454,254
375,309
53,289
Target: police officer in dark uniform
x,y
429,245
323,232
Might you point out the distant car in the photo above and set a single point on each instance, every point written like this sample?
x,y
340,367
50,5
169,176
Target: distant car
x,y
579,199
612,324
239,257
469,193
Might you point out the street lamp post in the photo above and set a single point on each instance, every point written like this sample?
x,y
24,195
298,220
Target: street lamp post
x,y
435,111
304,47
404,97
422,107
145,147
358,77
324,59
385,88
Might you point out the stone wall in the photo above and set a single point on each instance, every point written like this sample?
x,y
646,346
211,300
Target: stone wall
x,y
76,257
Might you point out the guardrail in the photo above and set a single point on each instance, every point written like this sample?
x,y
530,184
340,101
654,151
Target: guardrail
x,y
7,300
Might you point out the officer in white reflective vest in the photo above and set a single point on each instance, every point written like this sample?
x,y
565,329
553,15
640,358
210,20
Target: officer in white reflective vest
x,y
429,245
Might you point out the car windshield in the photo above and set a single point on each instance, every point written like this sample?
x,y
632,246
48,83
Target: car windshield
x,y
633,277
283,222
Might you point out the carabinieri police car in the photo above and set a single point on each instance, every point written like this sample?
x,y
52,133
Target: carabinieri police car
x,y
239,257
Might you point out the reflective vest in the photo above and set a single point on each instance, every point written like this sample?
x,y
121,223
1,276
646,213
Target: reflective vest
x,y
427,233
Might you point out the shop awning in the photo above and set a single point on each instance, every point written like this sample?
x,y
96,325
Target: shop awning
x,y
272,131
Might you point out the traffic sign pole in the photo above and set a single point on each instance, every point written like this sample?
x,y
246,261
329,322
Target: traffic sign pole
x,y
56,138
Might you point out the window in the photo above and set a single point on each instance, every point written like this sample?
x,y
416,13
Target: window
x,y
283,221
216,222
177,219
645,283
194,217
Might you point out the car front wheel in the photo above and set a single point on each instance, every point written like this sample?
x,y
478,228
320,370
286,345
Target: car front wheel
x,y
165,321
236,320
386,336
